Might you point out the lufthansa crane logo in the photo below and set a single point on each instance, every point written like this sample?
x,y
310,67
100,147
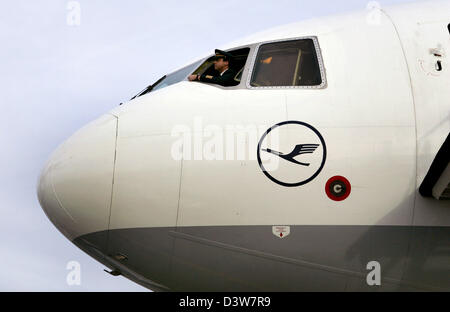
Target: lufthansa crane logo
x,y
291,153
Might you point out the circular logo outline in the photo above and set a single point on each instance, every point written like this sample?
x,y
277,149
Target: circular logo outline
x,y
304,181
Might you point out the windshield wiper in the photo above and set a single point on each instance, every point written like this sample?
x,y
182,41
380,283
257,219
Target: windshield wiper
x,y
149,88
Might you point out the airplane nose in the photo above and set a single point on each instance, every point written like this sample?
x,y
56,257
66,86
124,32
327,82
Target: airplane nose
x,y
75,186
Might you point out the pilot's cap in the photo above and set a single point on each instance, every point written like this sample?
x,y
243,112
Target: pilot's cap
x,y
222,54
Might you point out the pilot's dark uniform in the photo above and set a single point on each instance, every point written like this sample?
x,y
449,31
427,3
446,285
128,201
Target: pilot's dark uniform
x,y
226,78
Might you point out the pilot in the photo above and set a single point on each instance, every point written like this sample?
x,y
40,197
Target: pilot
x,y
225,76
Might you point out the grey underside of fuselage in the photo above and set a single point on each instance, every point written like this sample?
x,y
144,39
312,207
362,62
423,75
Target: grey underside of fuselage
x,y
252,258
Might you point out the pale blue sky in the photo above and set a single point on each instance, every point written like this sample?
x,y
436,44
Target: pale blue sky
x,y
55,78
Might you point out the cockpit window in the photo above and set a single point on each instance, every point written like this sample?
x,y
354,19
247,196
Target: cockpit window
x,y
236,65
170,79
175,77
286,64
200,67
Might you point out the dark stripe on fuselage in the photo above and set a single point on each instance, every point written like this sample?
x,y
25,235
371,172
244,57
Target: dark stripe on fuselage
x,y
310,258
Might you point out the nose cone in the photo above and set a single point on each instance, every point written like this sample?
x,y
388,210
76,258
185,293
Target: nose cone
x,y
75,186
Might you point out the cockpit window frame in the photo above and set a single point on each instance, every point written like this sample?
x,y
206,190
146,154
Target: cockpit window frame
x,y
255,51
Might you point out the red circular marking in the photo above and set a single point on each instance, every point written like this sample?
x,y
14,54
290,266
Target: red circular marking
x,y
341,180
